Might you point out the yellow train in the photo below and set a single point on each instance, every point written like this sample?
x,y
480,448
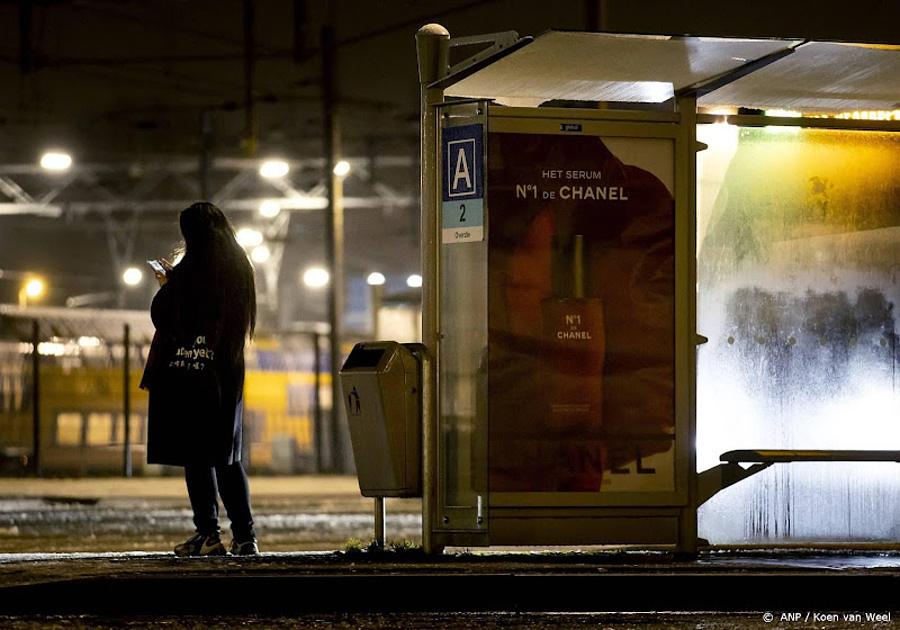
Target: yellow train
x,y
81,388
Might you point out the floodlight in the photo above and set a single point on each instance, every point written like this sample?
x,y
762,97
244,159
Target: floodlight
x,y
132,276
342,168
260,254
249,237
56,161
89,342
274,168
316,277
270,208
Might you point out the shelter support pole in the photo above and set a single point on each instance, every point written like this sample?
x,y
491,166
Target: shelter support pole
x,y
686,304
126,398
35,398
433,52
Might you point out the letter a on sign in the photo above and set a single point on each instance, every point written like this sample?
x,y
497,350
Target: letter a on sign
x,y
462,171
462,162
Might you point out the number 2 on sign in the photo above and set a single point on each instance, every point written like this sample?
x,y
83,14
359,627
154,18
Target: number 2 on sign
x,y
462,212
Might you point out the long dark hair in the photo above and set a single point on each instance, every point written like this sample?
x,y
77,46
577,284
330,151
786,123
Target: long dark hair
x,y
214,281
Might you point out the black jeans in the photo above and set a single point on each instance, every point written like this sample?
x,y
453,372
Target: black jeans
x,y
231,483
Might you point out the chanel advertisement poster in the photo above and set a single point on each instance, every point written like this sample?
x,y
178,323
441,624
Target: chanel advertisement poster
x,y
581,313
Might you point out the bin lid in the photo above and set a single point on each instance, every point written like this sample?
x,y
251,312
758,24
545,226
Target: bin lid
x,y
781,73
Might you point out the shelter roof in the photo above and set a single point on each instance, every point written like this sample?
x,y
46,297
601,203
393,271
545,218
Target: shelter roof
x,y
763,73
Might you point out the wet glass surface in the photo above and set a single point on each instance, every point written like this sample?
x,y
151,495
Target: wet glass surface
x,y
798,260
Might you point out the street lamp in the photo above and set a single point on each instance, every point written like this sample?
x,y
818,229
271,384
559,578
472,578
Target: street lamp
x,y
32,289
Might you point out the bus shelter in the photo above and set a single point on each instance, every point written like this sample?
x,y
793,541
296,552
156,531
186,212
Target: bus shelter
x,y
571,185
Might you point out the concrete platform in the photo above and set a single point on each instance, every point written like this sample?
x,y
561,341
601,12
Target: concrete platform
x,y
102,547
153,514
294,583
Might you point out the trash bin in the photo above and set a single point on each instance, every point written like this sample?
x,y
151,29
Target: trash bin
x,y
382,395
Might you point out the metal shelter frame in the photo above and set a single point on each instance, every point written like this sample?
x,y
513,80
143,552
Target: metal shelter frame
x,y
491,89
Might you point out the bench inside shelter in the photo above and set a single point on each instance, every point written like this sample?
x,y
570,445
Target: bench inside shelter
x,y
730,471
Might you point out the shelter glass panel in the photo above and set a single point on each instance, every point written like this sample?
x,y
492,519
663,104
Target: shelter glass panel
x,y
462,448
798,271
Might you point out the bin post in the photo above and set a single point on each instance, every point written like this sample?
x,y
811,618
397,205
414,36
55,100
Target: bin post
x,y
433,52
380,517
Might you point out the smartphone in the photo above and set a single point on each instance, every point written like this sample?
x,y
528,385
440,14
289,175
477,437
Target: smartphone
x,y
157,267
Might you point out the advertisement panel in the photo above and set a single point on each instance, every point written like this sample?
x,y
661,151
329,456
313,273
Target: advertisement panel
x,y
581,313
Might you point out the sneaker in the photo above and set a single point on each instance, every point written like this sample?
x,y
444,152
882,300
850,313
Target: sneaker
x,y
246,548
201,545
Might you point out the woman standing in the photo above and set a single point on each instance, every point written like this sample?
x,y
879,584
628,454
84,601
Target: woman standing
x,y
204,312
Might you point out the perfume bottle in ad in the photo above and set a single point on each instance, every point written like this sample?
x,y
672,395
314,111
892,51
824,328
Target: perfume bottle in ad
x,y
574,347
574,352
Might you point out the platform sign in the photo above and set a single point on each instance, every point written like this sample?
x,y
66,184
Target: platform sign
x,y
462,184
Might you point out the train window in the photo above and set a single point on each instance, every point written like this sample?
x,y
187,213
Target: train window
x,y
99,429
68,429
136,425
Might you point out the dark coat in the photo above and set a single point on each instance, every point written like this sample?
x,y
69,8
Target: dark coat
x,y
191,420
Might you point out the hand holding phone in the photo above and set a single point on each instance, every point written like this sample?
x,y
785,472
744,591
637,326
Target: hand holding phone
x,y
161,268
157,267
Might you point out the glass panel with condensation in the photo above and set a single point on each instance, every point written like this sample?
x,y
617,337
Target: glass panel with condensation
x,y
798,287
